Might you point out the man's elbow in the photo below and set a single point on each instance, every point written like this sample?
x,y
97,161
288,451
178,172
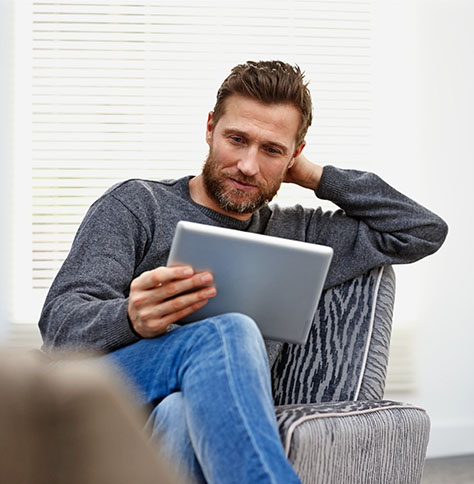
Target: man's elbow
x,y
425,240
435,234
439,232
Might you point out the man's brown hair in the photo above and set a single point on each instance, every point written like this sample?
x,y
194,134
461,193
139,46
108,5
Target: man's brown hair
x,y
270,82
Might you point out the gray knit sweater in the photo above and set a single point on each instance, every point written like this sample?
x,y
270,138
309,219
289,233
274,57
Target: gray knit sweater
x,y
130,228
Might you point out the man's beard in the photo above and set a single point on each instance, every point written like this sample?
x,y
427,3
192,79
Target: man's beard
x,y
231,199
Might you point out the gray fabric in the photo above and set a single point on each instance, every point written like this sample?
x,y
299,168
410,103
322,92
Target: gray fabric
x,y
375,371
289,415
273,350
129,230
328,366
382,443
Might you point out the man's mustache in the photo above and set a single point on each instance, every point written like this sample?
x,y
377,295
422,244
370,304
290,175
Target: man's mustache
x,y
247,180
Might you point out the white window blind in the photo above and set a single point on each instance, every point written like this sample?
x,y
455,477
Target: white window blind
x,y
109,90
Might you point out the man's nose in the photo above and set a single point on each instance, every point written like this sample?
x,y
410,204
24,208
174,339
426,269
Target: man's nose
x,y
248,164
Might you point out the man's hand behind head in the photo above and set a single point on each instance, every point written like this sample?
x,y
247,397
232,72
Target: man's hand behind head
x,y
304,173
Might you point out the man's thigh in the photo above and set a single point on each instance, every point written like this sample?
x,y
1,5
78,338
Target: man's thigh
x,y
156,366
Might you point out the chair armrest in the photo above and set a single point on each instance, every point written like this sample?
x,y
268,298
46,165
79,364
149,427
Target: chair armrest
x,y
356,442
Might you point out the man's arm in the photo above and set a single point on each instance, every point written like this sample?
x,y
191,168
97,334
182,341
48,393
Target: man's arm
x,y
102,298
377,225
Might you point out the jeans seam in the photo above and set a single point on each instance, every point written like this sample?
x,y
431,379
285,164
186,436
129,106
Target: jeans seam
x,y
231,384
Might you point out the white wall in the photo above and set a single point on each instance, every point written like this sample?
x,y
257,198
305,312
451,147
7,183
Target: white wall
x,y
446,146
5,137
425,59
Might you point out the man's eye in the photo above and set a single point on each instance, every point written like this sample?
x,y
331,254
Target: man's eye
x,y
237,139
273,151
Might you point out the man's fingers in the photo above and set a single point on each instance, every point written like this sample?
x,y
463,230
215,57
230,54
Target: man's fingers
x,y
174,288
178,304
160,326
166,295
176,317
167,290
161,275
156,320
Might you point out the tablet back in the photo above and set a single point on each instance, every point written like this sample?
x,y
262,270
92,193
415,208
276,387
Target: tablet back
x,y
275,281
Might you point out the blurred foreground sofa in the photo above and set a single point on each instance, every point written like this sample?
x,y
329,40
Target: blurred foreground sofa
x,y
71,422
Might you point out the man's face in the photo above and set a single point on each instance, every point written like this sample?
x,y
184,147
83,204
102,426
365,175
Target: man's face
x,y
250,149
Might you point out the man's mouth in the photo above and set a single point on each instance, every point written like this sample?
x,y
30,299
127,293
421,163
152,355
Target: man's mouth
x,y
240,185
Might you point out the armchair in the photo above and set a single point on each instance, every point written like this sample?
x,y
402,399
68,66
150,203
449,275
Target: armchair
x,y
334,425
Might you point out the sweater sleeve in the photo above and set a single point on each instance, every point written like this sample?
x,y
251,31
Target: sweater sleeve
x,y
377,225
86,306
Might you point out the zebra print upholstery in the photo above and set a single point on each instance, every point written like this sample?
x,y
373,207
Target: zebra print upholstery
x,y
334,427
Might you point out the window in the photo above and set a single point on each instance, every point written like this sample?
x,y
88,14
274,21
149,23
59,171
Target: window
x,y
108,90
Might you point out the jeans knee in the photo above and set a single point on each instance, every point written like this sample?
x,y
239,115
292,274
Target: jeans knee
x,y
233,334
241,332
168,416
242,328
172,404
231,323
241,323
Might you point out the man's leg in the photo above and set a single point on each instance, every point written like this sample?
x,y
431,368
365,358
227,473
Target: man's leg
x,y
220,367
169,431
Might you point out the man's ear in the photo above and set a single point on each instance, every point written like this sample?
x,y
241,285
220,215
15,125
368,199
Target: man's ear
x,y
209,128
297,153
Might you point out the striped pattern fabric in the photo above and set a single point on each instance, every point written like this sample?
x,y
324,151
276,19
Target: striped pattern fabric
x,y
332,364
333,424
357,443
290,416
372,380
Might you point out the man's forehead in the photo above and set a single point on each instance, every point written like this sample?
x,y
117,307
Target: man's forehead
x,y
241,102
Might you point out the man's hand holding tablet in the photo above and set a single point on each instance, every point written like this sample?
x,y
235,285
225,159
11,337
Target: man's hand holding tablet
x,y
165,295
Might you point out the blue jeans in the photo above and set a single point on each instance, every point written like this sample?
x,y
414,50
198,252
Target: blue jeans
x,y
210,385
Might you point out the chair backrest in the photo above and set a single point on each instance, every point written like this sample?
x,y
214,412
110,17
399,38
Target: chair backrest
x,y
346,355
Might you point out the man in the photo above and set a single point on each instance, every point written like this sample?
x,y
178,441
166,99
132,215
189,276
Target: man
x,y
208,382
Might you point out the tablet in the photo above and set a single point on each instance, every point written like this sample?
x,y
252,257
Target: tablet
x,y
275,281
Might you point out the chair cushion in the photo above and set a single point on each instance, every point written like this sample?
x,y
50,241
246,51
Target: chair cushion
x,y
355,442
